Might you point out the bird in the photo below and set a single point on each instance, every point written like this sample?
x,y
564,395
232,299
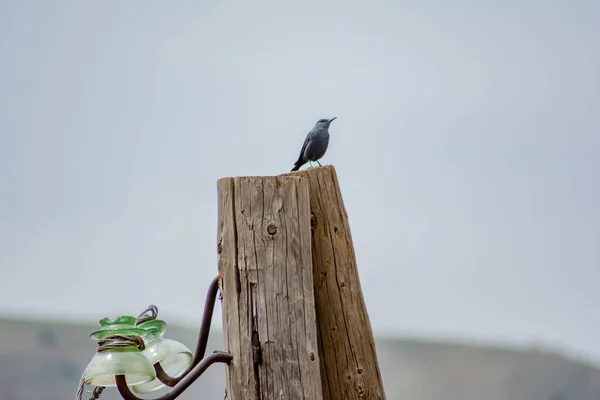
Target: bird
x,y
315,144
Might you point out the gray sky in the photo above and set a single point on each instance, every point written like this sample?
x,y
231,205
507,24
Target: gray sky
x,y
467,147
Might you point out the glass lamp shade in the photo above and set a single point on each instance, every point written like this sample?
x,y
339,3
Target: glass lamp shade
x,y
128,361
174,357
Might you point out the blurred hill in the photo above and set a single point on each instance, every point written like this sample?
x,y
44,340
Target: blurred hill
x,y
44,360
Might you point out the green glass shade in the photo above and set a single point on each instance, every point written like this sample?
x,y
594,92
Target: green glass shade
x,y
174,357
123,325
127,360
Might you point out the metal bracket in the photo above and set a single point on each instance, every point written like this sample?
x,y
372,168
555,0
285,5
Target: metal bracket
x,y
198,365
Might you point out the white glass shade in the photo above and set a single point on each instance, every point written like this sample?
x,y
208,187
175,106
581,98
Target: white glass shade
x,y
174,358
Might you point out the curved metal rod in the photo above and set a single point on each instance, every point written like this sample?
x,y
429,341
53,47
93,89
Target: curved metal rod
x,y
217,356
209,307
165,378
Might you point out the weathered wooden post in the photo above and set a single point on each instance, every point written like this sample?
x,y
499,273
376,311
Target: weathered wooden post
x,y
294,317
349,366
268,303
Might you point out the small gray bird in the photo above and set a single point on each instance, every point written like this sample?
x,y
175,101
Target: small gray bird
x,y
315,144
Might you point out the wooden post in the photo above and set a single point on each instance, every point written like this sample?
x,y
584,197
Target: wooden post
x,y
268,302
294,317
349,366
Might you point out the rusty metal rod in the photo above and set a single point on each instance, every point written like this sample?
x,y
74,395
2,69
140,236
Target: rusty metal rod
x,y
216,357
165,378
209,307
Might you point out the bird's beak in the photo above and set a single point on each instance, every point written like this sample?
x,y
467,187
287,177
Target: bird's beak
x,y
331,120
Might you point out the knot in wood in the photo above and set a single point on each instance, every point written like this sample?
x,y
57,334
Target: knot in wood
x,y
272,229
313,220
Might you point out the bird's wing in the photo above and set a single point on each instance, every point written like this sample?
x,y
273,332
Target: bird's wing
x,y
308,137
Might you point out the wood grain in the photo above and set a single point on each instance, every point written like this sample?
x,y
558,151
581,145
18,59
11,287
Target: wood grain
x,y
349,366
264,246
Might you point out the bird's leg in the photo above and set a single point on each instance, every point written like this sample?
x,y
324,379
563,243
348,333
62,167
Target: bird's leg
x,y
317,161
310,164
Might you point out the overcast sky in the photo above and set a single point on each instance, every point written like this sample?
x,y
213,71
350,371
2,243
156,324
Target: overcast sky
x,y
467,146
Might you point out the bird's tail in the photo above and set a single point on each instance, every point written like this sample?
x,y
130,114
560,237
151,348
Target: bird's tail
x,y
297,164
